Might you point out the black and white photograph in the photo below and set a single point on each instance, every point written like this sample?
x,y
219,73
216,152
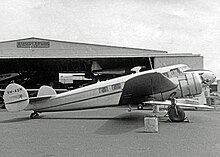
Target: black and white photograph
x,y
125,78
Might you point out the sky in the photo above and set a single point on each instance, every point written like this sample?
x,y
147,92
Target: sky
x,y
176,26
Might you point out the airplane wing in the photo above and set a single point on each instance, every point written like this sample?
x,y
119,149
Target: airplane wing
x,y
167,103
148,84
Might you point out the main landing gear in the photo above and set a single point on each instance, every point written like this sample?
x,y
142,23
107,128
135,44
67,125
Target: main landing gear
x,y
175,113
34,115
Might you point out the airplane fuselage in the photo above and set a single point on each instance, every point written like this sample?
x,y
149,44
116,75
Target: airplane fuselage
x,y
129,89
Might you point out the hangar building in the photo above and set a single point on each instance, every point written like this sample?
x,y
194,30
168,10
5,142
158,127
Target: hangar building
x,y
36,48
36,54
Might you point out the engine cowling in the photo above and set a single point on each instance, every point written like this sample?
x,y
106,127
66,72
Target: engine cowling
x,y
189,84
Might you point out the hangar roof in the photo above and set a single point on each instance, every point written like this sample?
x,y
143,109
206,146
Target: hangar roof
x,y
46,48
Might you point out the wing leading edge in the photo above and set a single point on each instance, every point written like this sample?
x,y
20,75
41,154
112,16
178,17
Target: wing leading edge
x,y
167,103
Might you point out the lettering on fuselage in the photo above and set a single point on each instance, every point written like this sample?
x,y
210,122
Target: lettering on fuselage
x,y
110,88
14,91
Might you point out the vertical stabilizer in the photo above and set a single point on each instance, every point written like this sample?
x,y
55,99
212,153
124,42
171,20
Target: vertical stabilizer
x,y
46,90
15,97
95,66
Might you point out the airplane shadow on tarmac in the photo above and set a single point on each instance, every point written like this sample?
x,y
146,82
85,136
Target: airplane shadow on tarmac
x,y
15,120
122,124
113,126
116,125
20,119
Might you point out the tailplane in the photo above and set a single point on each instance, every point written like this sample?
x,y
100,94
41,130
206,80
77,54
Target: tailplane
x,y
15,97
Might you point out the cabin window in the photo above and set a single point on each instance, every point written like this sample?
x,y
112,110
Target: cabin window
x,y
172,73
116,86
103,89
184,68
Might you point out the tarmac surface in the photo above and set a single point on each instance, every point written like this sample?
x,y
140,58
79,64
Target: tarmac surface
x,y
108,132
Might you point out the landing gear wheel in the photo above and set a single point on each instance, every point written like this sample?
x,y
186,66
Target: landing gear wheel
x,y
176,114
140,107
34,115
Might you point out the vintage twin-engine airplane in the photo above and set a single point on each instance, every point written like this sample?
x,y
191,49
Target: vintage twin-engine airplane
x,y
157,84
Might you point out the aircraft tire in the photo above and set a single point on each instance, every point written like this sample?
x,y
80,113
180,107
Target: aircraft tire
x,y
34,115
174,117
140,107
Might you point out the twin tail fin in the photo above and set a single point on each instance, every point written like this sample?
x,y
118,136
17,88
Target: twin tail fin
x,y
16,97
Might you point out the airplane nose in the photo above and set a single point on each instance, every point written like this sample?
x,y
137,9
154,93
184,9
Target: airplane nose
x,y
209,77
213,77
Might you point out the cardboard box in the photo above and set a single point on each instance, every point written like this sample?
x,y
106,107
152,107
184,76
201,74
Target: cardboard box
x,y
151,124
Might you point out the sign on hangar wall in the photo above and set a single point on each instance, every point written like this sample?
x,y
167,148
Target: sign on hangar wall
x,y
33,44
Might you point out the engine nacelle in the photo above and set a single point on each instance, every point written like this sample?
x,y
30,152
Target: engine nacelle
x,y
189,85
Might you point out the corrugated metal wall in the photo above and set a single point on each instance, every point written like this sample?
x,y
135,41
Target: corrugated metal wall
x,y
192,61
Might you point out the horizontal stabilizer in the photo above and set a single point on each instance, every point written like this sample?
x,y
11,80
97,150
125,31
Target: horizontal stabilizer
x,y
44,93
167,103
40,98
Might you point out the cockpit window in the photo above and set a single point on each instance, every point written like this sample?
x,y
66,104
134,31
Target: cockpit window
x,y
175,72
184,68
172,73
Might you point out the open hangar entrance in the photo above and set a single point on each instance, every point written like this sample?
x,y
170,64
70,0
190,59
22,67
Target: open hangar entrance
x,y
39,61
35,72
